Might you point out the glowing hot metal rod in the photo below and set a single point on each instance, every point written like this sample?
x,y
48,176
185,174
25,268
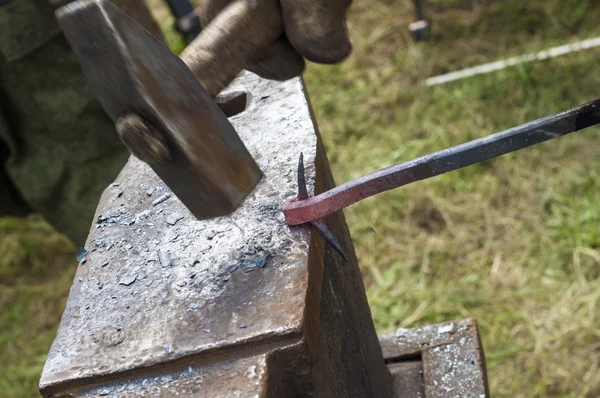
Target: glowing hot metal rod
x,y
304,209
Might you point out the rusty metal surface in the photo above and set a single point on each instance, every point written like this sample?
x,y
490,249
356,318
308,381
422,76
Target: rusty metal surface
x,y
210,170
346,355
243,377
528,134
158,286
178,307
452,358
408,379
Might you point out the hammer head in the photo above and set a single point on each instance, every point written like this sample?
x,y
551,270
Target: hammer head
x,y
199,155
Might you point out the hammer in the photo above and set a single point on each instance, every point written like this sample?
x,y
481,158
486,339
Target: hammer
x,y
163,106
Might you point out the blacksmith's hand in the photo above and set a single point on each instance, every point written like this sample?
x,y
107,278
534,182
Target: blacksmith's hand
x,y
314,30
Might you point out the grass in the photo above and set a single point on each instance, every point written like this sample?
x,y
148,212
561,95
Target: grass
x,y
514,242
37,266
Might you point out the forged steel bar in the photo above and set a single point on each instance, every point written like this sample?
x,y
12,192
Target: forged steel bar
x,y
299,211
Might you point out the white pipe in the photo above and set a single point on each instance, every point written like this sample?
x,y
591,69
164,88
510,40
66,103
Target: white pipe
x,y
498,65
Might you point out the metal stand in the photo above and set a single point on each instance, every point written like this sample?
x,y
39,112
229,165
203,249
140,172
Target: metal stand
x,y
186,21
420,28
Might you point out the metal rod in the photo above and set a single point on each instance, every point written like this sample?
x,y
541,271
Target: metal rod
x,y
330,238
454,158
302,191
418,10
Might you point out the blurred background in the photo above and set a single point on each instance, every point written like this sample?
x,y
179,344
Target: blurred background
x,y
513,242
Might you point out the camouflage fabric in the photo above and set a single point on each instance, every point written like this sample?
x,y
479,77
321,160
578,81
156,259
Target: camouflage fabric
x,y
60,148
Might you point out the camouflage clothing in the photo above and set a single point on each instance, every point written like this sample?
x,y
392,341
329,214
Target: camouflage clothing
x,y
58,149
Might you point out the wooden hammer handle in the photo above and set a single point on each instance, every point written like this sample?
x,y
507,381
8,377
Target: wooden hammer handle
x,y
239,32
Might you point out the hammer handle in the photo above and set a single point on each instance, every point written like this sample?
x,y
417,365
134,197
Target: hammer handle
x,y
239,32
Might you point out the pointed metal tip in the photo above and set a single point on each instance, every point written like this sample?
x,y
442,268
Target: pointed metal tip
x,y
302,191
329,238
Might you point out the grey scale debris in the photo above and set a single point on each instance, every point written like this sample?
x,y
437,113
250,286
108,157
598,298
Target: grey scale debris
x,y
242,325
161,199
128,280
261,261
106,217
402,332
164,257
174,218
445,328
143,215
81,255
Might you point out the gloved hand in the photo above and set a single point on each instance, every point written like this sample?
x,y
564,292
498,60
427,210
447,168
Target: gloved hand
x,y
313,29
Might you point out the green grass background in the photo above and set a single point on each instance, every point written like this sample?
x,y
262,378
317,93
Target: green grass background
x,y
513,242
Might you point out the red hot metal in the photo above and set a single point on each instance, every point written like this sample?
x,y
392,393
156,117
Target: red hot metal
x,y
300,211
